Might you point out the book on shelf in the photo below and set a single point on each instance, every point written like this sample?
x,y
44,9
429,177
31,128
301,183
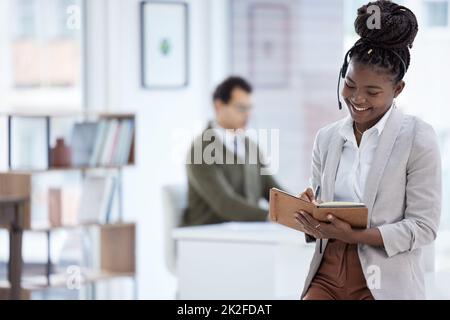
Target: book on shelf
x,y
83,140
55,207
63,205
109,143
126,141
103,143
96,199
113,143
99,143
110,200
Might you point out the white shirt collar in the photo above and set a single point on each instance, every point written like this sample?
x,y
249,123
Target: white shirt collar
x,y
228,137
240,134
216,125
346,130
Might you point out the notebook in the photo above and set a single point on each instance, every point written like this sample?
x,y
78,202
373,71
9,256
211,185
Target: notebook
x,y
284,205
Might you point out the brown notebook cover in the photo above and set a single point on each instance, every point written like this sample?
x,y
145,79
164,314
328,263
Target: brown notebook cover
x,y
284,205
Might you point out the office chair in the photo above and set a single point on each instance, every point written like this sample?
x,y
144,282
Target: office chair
x,y
174,203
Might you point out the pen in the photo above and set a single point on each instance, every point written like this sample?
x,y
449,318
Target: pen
x,y
316,195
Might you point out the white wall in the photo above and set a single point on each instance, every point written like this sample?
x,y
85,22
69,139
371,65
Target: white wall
x,y
164,117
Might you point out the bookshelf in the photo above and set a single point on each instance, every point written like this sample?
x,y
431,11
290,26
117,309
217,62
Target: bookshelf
x,y
96,148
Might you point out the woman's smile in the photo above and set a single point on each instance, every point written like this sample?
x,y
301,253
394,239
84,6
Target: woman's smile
x,y
359,110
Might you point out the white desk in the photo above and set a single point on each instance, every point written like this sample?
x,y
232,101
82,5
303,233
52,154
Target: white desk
x,y
253,260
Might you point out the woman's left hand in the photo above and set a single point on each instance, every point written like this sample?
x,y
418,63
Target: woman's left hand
x,y
335,229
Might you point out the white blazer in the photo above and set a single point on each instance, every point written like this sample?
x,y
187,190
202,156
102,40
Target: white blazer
x,y
403,195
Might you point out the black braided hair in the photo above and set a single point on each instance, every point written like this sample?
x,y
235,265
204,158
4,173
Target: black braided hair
x,y
387,47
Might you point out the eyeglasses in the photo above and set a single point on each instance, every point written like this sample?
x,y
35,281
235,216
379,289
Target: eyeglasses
x,y
242,108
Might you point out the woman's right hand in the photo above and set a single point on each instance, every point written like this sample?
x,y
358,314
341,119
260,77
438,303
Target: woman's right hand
x,y
308,195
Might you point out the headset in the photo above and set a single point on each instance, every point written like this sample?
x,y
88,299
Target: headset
x,y
346,62
342,74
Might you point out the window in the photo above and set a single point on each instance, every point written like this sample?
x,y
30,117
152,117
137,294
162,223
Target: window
x,y
26,20
40,54
436,13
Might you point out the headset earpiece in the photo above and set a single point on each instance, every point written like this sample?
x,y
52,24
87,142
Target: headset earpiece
x,y
345,64
342,74
344,69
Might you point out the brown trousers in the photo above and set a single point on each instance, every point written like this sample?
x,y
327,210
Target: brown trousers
x,y
340,275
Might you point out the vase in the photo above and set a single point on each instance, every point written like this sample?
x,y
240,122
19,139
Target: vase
x,y
60,154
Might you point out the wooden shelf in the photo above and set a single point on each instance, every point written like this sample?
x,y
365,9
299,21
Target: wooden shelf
x,y
78,226
112,135
117,240
113,238
55,169
44,228
35,283
13,185
5,292
13,198
118,248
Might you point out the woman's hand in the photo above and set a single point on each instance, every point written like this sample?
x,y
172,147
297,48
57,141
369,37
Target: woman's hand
x,y
334,229
308,195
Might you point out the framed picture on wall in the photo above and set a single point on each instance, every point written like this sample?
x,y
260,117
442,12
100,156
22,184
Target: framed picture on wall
x,y
164,44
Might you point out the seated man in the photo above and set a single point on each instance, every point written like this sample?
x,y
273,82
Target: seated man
x,y
224,183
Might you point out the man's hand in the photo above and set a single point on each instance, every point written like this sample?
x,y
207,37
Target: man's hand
x,y
334,229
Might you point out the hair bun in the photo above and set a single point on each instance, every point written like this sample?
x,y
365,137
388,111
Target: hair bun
x,y
398,25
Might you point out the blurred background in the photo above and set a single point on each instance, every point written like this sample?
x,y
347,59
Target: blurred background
x,y
93,57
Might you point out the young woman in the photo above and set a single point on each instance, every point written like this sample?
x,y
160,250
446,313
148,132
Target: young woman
x,y
379,156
